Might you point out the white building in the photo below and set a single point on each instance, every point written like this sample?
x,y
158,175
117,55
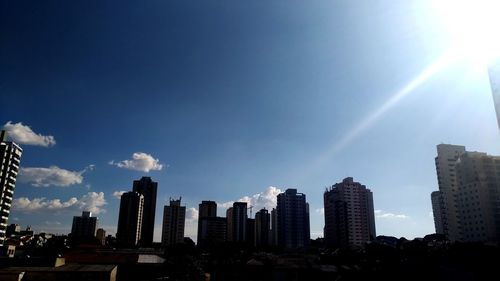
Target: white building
x,y
494,72
469,187
10,159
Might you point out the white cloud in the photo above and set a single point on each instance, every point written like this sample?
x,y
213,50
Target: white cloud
x,y
191,227
118,194
320,211
191,214
379,214
92,201
140,162
266,199
24,135
51,176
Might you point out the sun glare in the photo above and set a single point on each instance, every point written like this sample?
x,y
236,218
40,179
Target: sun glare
x,y
474,27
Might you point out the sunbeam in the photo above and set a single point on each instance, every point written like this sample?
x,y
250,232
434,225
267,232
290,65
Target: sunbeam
x,y
367,122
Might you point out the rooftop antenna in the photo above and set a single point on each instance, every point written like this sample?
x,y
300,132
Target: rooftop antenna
x,y
250,208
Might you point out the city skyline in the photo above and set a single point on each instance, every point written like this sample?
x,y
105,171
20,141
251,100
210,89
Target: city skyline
x,y
234,102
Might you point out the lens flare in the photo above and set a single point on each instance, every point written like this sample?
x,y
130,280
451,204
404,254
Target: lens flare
x,y
473,26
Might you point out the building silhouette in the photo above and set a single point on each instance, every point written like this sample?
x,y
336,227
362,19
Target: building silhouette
x,y
250,232
206,209
130,219
212,230
13,228
148,189
262,228
349,215
84,226
293,219
469,184
494,73
10,160
229,224
274,227
239,222
101,236
174,219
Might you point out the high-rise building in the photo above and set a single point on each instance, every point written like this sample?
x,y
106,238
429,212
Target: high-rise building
x,y
495,87
84,226
130,219
469,183
262,228
174,218
437,211
250,232
10,159
148,188
274,227
229,224
206,209
212,230
478,200
448,186
293,219
101,236
349,215
239,221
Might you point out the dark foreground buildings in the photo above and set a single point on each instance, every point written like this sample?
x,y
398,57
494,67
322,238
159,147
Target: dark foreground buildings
x,y
293,220
147,188
130,219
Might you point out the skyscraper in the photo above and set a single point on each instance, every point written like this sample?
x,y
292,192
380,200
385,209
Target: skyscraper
x,y
349,214
478,197
274,227
130,219
293,219
148,188
174,218
10,159
262,228
494,72
469,184
229,220
212,230
448,186
437,211
84,226
206,209
239,221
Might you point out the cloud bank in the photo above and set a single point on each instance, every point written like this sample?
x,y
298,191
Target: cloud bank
x,y
51,176
379,214
92,201
23,134
266,199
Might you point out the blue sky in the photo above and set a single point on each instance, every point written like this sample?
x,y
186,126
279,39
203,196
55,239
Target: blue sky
x,y
230,98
